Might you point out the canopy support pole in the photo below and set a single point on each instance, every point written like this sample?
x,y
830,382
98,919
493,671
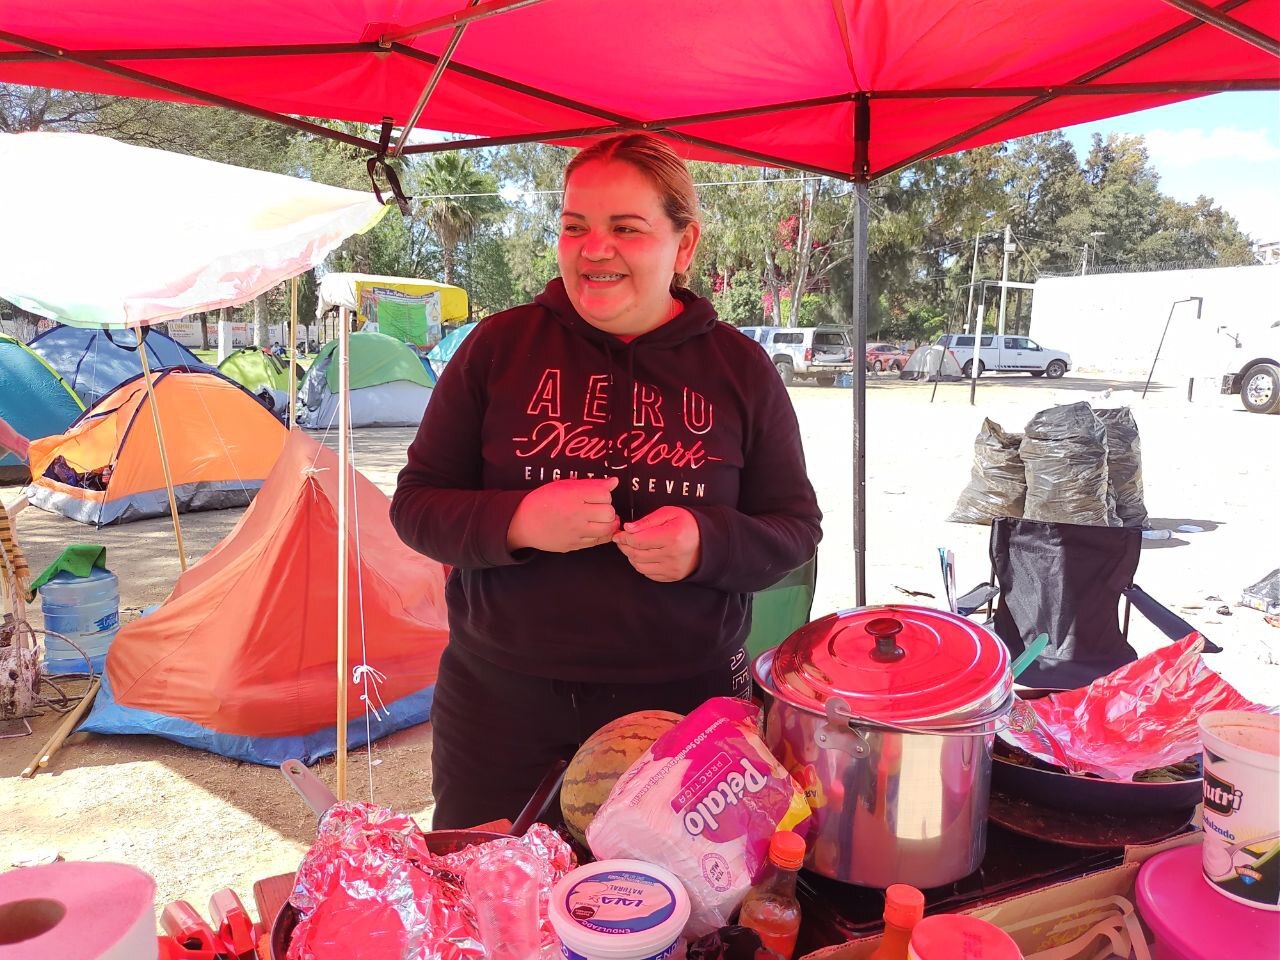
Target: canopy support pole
x,y
1219,19
293,353
436,75
344,426
861,316
164,454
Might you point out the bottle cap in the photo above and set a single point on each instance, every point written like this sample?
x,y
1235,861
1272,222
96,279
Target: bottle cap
x,y
903,905
786,850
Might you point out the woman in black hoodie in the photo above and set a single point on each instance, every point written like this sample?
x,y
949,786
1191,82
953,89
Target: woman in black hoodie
x,y
612,473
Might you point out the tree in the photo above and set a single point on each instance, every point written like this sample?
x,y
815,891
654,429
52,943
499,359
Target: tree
x,y
457,198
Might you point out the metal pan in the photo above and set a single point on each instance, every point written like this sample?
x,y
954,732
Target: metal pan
x,y
1063,791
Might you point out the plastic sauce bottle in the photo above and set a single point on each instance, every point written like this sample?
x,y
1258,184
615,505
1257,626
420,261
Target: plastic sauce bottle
x,y
771,908
903,908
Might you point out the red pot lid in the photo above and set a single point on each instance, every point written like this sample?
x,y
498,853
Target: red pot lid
x,y
895,664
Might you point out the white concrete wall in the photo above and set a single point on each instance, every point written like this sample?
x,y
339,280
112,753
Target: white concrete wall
x,y
1112,323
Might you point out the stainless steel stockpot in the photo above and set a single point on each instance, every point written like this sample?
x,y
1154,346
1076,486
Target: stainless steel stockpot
x,y
886,716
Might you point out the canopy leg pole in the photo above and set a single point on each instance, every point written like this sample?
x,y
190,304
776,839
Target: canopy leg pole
x,y
293,353
861,310
164,454
344,426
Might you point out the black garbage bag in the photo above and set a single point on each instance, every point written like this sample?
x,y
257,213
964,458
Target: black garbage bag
x,y
1124,465
998,484
1064,451
730,943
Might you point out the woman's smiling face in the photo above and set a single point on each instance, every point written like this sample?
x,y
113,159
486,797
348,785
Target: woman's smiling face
x,y
618,249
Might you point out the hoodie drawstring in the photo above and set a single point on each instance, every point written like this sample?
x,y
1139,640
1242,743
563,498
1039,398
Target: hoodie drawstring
x,y
620,399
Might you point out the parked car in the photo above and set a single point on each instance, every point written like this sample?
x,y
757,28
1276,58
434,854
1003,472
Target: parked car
x,y
821,352
886,356
1007,354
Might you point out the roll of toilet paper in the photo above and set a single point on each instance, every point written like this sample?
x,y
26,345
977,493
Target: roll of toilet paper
x,y
77,911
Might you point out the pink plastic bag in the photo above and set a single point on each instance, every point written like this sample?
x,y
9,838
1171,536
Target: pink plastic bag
x,y
1138,717
703,802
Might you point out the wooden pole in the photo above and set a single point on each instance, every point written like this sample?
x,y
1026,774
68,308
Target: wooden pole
x,y
293,353
164,455
63,731
344,426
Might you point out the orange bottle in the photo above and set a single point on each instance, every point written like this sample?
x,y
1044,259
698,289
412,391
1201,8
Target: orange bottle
x,y
771,908
903,908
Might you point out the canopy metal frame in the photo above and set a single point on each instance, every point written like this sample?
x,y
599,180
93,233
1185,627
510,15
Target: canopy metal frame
x,y
861,173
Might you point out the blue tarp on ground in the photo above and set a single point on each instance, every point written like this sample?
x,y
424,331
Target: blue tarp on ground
x,y
108,716
95,363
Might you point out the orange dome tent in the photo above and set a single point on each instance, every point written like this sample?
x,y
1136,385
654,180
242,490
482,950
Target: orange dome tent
x,y
106,468
241,659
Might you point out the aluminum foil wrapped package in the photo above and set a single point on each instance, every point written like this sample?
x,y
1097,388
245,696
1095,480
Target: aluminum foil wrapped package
x,y
1139,717
370,888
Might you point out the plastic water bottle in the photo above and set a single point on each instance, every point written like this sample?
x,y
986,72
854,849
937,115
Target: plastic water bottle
x,y
85,610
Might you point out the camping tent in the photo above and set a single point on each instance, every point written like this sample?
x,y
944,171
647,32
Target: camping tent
x,y
106,468
340,290
240,659
931,362
254,369
443,351
34,400
95,361
389,387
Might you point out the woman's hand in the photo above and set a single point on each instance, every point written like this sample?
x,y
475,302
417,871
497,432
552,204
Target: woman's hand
x,y
664,546
565,515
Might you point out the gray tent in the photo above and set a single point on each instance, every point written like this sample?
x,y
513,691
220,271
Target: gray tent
x,y
931,361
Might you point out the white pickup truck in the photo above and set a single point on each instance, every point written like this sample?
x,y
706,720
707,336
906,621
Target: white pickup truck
x,y
1007,354
1255,365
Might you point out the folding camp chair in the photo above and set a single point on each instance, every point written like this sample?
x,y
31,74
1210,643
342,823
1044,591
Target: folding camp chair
x,y
780,610
1067,580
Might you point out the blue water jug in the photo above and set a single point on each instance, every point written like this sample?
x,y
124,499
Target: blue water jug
x,y
85,610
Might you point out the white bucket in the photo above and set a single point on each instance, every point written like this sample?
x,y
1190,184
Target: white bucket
x,y
1242,805
619,910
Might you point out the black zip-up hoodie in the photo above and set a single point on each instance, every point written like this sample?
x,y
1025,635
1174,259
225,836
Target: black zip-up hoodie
x,y
691,414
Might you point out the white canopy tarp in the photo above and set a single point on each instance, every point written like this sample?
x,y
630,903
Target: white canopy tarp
x,y
339,290
104,234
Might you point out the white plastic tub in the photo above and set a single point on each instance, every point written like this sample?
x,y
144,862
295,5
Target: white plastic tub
x,y
619,910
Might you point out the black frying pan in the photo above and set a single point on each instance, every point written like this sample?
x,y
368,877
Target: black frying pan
x,y
1063,791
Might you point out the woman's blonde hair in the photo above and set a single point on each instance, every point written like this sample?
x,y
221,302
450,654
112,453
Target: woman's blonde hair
x,y
660,165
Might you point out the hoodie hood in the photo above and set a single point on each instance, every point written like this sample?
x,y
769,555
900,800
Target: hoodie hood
x,y
697,318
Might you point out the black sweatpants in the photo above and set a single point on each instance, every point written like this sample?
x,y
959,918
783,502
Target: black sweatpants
x,y
495,733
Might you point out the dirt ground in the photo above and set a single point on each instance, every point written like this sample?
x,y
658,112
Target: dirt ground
x,y
198,822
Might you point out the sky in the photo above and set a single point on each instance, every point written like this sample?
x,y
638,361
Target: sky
x,y
1226,146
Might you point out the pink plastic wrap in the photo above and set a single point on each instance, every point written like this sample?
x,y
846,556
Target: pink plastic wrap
x,y
370,888
1138,717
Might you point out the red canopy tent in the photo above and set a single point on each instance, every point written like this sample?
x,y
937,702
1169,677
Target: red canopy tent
x,y
854,89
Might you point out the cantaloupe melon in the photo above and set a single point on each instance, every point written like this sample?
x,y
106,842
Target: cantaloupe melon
x,y
604,758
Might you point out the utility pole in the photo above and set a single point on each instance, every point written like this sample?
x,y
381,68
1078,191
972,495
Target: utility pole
x,y
968,313
1004,278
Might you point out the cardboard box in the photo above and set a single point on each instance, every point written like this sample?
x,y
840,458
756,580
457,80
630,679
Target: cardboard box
x,y
1048,917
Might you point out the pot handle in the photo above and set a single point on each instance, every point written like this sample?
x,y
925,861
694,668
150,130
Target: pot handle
x,y
1019,717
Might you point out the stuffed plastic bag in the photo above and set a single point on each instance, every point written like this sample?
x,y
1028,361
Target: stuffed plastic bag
x,y
1124,465
1064,451
998,484
1139,717
703,802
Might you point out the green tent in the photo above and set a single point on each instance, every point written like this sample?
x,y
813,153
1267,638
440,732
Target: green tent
x,y
389,385
254,369
375,358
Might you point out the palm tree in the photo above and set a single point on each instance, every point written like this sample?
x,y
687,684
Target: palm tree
x,y
456,198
